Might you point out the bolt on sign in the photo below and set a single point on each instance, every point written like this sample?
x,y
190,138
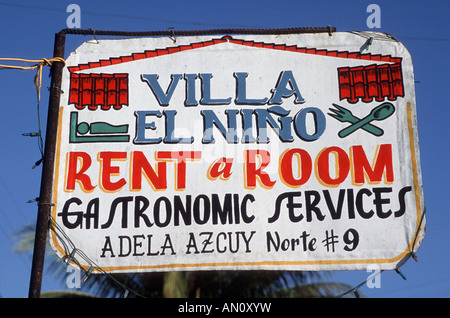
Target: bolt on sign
x,y
295,151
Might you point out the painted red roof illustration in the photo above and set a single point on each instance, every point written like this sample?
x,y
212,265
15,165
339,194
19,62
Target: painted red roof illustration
x,y
273,46
365,83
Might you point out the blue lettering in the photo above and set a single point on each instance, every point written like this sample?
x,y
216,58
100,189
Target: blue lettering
x,y
319,123
190,90
247,126
206,92
170,127
152,81
241,93
263,117
282,91
142,125
210,119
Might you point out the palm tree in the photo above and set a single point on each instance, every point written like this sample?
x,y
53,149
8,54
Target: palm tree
x,y
190,284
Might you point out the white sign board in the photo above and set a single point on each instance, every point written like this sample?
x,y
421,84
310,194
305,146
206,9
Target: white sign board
x,y
295,151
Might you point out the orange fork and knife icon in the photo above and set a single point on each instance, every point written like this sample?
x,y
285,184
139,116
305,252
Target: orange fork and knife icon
x,y
378,113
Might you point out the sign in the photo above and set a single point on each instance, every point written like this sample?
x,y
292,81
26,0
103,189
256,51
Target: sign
x,y
294,151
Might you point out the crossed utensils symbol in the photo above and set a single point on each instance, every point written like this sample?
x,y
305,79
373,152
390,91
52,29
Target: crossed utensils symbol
x,y
381,112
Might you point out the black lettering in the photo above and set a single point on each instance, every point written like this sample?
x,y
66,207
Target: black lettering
x,y
207,241
107,247
121,200
139,211
137,244
192,244
202,209
206,209
149,250
231,240
351,241
351,204
247,241
271,242
183,210
167,245
401,199
65,214
217,242
157,212
379,201
236,208
247,219
360,206
124,251
224,212
92,212
312,206
290,205
335,212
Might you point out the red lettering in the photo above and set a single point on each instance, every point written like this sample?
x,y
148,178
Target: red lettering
x,y
75,175
141,166
332,166
304,164
180,158
107,170
382,165
253,173
342,166
220,168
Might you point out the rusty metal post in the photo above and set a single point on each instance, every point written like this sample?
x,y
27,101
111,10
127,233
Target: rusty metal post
x,y
45,197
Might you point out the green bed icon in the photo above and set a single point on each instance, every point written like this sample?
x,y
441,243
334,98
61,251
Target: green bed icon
x,y
96,131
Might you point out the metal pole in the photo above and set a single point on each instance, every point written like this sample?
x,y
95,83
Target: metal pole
x,y
45,197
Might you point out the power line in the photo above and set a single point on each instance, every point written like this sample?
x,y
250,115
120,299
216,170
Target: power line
x,y
424,39
192,23
123,16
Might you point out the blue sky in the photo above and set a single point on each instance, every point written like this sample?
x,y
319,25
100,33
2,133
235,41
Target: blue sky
x,y
27,31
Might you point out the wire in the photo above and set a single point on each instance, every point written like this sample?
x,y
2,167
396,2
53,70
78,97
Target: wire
x,y
38,65
72,251
63,238
425,39
375,35
412,254
122,16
